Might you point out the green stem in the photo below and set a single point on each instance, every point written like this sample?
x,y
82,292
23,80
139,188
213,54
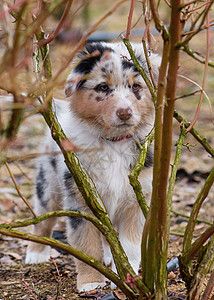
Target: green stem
x,y
187,217
149,235
158,231
197,136
195,247
195,210
193,54
133,176
53,214
175,167
200,274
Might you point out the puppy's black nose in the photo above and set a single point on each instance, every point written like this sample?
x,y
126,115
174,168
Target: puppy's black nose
x,y
124,113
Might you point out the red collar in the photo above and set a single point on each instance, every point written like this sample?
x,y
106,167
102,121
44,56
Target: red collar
x,y
119,138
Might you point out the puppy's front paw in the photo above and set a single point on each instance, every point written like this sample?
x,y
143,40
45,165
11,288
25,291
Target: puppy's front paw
x,y
113,285
90,286
35,257
108,260
107,255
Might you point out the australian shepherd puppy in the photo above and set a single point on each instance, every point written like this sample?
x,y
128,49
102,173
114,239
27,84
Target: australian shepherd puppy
x,y
109,108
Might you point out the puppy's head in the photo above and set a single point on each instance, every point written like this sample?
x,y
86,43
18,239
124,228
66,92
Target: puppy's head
x,y
107,92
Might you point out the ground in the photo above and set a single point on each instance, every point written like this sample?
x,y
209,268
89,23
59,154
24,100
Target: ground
x,y
20,281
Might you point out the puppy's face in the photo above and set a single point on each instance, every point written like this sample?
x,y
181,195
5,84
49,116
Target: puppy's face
x,y
107,91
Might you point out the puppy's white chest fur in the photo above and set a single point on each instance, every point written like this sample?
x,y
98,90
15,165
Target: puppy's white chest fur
x,y
110,170
107,162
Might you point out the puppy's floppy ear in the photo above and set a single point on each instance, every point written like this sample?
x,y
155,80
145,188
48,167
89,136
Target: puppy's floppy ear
x,y
72,83
155,61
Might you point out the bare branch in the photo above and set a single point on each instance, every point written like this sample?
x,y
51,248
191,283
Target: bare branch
x,y
53,35
18,190
195,210
130,19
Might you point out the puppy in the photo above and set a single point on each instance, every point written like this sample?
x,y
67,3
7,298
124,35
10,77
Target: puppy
x,y
109,108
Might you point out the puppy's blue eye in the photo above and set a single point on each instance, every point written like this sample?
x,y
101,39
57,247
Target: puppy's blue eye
x,y
103,87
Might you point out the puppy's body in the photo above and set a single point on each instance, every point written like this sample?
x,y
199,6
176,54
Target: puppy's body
x,y
110,107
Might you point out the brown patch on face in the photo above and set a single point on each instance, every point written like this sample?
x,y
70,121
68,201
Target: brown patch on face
x,y
93,54
98,98
135,86
131,79
93,108
109,79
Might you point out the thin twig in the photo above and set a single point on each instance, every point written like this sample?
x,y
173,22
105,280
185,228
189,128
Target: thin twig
x,y
133,176
197,136
188,3
130,19
59,26
167,2
172,179
158,23
59,276
187,256
195,210
203,14
176,233
33,294
193,54
187,217
187,95
204,76
197,8
11,8
18,190
148,63
202,28
202,91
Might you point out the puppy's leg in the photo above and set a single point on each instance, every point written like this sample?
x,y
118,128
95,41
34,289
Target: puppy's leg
x,y
130,226
46,200
84,236
107,256
37,253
